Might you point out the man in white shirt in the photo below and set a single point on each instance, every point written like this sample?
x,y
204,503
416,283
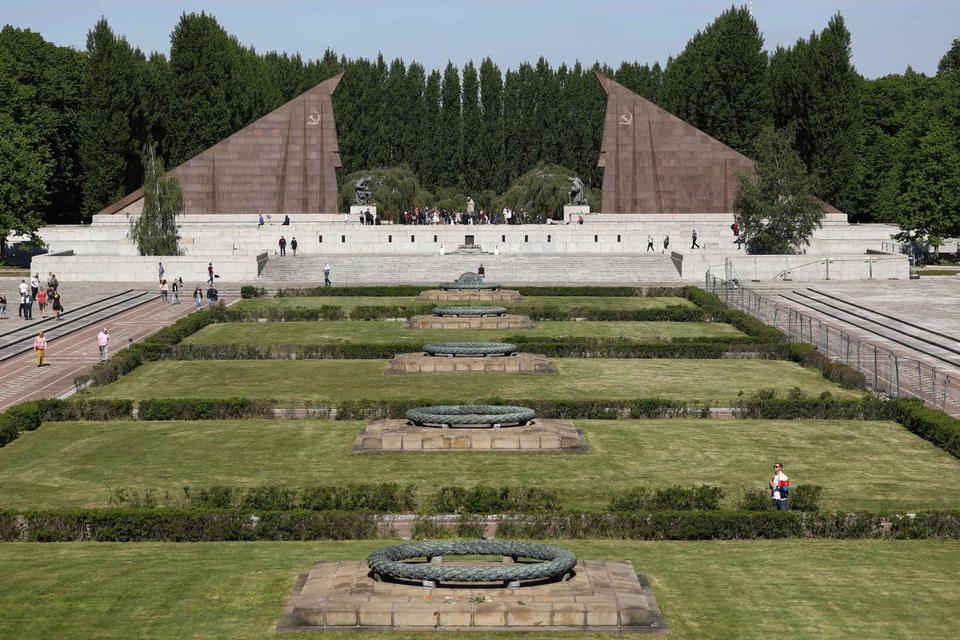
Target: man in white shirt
x,y
779,487
103,342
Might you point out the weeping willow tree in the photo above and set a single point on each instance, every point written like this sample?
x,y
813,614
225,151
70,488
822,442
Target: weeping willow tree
x,y
155,231
543,192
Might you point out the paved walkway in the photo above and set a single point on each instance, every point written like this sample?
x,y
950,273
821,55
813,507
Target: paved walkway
x,y
77,353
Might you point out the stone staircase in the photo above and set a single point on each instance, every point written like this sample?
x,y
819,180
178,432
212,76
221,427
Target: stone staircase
x,y
507,269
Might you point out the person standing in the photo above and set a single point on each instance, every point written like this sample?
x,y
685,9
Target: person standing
x,y
650,243
326,275
175,290
283,246
161,271
164,291
293,245
3,307
482,273
57,305
779,488
26,303
198,297
103,343
260,221
34,286
212,296
40,348
42,302
666,243
693,240
53,282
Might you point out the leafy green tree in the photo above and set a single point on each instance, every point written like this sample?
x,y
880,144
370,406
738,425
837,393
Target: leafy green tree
x,y
541,192
394,190
450,130
472,153
155,231
112,122
25,165
776,206
719,82
491,154
429,156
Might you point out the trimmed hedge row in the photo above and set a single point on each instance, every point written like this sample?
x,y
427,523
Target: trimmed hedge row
x,y
485,499
559,409
413,290
836,372
29,415
202,409
192,525
716,311
379,498
932,425
699,498
249,291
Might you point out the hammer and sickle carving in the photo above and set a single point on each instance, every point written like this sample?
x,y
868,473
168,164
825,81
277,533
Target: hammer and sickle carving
x,y
314,118
626,117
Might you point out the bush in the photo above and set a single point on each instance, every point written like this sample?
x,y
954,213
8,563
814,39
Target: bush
x,y
398,290
758,408
330,351
29,415
930,424
249,291
283,314
716,311
804,497
808,356
703,497
199,409
485,499
381,498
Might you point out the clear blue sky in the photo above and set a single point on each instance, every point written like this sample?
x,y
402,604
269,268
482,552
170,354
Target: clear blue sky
x,y
887,35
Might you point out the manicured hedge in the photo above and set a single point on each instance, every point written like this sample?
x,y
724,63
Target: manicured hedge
x,y
813,408
837,372
202,409
716,311
249,291
328,351
373,291
485,499
699,498
283,314
805,497
183,525
385,497
413,290
735,525
199,525
29,415
930,424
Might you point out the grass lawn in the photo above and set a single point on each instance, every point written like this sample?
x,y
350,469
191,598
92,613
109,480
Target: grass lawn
x,y
305,333
736,590
860,465
349,302
576,379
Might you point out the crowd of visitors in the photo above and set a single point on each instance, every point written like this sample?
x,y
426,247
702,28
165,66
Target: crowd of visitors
x,y
41,293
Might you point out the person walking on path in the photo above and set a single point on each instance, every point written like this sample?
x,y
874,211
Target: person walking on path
x,y
326,275
260,222
666,243
693,240
42,302
482,273
164,291
779,487
52,281
212,296
209,273
198,297
57,305
283,246
650,243
34,287
26,306
175,290
3,307
293,245
40,348
160,270
103,343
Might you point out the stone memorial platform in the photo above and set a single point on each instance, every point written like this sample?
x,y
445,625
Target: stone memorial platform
x,y
507,321
406,363
602,595
481,295
400,435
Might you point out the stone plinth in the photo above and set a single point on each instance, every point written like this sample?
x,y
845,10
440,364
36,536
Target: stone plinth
x,y
497,295
540,435
602,595
508,321
357,209
420,362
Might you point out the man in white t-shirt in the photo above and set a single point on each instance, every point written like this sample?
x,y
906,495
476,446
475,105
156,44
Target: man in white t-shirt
x,y
103,343
779,487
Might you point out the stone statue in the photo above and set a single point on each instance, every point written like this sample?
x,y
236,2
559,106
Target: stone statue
x,y
577,195
471,207
363,195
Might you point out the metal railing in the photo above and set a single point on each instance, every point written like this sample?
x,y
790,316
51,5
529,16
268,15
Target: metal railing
x,y
886,371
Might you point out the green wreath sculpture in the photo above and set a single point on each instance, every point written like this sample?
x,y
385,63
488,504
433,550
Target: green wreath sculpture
x,y
388,562
469,312
459,286
470,414
470,349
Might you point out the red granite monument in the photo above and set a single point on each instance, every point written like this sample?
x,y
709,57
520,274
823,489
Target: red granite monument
x,y
285,162
654,162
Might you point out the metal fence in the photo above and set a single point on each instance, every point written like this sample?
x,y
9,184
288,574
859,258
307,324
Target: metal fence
x,y
886,371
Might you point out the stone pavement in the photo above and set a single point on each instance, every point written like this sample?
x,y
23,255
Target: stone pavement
x,y
76,354
603,595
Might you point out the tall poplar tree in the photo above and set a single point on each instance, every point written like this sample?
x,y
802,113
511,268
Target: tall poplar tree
x,y
473,178
450,129
491,127
430,158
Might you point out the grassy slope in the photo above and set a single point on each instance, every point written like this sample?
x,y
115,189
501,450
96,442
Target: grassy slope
x,y
346,331
77,464
719,590
592,302
709,380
